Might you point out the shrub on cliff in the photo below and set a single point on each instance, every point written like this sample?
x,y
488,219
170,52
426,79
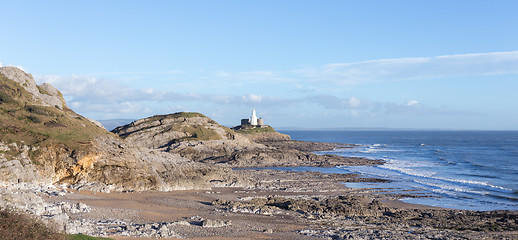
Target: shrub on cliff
x,y
15,225
20,226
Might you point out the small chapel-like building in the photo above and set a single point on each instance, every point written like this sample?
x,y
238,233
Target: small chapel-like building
x,y
253,121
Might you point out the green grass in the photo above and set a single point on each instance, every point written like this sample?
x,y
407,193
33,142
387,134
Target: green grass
x,y
4,98
253,130
23,122
86,237
177,115
200,133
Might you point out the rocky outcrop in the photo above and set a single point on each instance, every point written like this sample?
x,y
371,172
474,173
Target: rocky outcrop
x,y
275,157
16,168
44,142
306,146
167,132
216,223
364,217
192,135
111,165
262,137
351,206
44,94
201,139
34,199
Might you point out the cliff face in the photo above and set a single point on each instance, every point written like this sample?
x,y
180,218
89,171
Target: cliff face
x,y
43,141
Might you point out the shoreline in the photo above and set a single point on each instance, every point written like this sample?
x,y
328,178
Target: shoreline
x,y
307,222
273,204
245,213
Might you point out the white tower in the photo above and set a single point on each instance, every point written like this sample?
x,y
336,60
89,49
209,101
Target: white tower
x,y
253,119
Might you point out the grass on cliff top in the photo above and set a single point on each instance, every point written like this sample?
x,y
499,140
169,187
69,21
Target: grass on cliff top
x,y
254,130
177,115
23,122
200,133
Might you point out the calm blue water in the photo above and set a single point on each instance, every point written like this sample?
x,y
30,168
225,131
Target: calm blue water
x,y
476,170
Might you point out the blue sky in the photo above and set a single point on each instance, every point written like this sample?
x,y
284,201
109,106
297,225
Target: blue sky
x,y
305,64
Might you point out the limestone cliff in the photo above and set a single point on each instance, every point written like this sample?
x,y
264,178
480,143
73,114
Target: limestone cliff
x,y
43,141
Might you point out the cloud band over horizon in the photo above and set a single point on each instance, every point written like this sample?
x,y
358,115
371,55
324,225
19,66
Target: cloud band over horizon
x,y
399,69
99,95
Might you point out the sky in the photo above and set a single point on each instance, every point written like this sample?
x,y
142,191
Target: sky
x,y
300,64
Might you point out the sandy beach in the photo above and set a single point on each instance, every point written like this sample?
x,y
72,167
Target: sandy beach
x,y
258,212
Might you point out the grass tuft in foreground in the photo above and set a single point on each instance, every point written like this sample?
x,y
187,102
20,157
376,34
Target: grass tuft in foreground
x,y
20,226
86,237
15,225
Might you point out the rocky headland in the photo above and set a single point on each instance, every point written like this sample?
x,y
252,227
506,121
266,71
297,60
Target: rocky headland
x,y
201,139
51,144
175,176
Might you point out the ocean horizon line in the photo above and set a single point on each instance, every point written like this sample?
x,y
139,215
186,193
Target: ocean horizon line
x,y
391,129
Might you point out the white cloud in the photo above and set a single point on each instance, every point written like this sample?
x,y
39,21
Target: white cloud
x,y
253,98
91,94
111,110
86,88
354,102
413,68
413,103
148,90
357,106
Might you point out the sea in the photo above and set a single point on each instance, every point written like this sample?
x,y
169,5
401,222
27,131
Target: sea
x,y
472,170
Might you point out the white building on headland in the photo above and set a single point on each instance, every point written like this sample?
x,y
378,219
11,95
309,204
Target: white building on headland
x,y
253,118
252,121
